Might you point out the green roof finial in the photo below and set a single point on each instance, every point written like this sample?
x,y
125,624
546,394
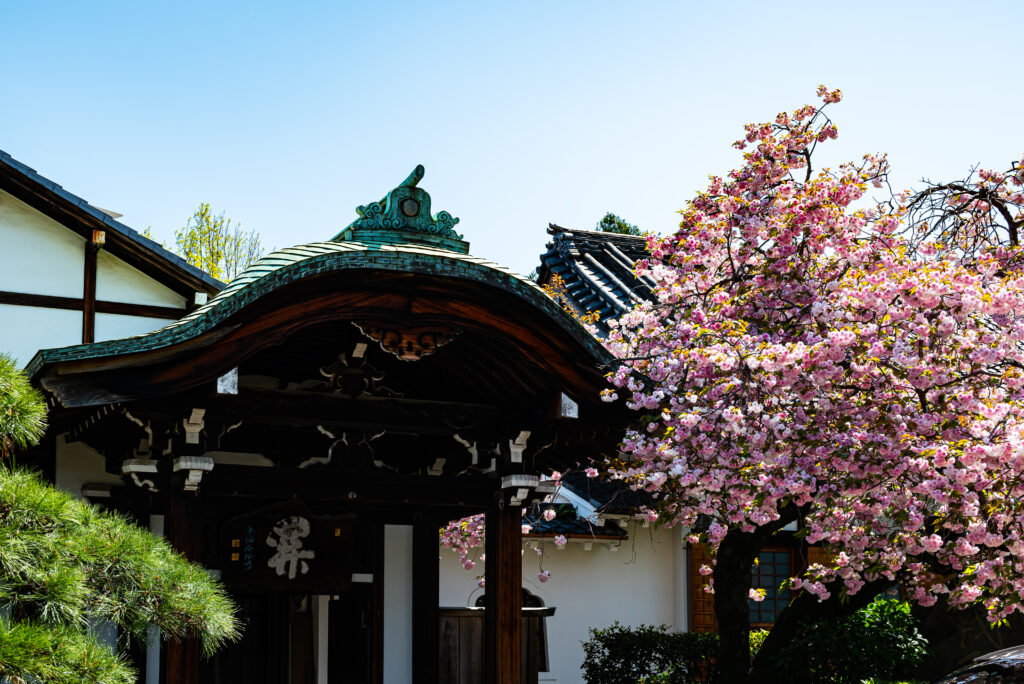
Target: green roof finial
x,y
403,216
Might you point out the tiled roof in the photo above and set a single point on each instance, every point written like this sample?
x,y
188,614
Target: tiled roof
x,y
9,164
607,496
294,263
567,523
597,269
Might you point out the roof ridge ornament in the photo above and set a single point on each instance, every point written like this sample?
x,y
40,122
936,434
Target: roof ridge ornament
x,y
403,216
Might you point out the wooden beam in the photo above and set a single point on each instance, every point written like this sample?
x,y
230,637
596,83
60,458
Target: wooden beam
x,y
425,601
298,408
451,495
504,575
89,293
76,304
518,341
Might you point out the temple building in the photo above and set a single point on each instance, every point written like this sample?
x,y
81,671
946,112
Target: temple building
x,y
305,433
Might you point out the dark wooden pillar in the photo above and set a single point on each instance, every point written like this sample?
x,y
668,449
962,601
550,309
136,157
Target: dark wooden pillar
x,y
183,530
504,574
92,248
89,295
425,613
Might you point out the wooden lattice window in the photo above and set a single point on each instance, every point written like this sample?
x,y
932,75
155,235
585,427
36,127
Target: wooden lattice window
x,y
772,567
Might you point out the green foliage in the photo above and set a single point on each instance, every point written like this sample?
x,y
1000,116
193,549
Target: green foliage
x,y
757,638
210,242
65,564
35,653
22,409
648,654
612,223
880,642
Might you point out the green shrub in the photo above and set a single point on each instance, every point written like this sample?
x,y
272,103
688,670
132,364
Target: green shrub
x,y
651,655
880,642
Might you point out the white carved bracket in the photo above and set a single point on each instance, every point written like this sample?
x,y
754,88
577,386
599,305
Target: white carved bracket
x,y
518,445
522,483
147,441
196,466
133,466
470,447
193,425
323,460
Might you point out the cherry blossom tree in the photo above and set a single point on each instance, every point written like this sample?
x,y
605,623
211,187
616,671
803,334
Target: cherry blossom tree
x,y
466,536
852,366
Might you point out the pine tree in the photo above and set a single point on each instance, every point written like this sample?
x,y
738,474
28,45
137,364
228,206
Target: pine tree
x,y
65,564
613,223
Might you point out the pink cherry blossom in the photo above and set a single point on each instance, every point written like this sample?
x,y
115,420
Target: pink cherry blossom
x,y
811,355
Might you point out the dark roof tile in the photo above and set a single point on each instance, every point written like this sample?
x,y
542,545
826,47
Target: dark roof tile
x,y
597,269
607,496
567,523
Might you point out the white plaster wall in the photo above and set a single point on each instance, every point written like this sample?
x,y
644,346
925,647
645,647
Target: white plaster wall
x,y
117,281
397,604
633,585
77,465
39,255
116,326
24,330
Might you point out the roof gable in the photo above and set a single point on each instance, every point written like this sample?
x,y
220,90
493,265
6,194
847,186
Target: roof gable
x,y
76,214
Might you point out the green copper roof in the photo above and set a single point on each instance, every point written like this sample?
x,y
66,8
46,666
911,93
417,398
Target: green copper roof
x,y
398,233
295,263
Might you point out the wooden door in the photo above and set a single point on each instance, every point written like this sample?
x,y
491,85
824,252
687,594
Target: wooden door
x,y
350,638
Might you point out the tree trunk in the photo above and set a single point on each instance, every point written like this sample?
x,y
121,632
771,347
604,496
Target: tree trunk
x,y
804,609
734,572
733,575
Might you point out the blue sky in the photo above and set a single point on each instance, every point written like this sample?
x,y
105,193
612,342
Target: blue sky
x,y
288,115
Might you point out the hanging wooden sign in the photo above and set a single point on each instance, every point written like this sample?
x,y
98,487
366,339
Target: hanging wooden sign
x,y
287,548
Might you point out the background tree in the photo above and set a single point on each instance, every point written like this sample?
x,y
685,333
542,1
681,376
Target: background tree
x,y
612,223
210,242
980,214
810,358
64,564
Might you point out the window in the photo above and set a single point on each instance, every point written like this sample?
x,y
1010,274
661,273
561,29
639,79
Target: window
x,y
772,567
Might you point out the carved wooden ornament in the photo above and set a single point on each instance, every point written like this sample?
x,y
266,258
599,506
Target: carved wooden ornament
x,y
407,343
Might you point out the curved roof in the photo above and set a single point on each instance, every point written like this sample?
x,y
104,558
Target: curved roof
x,y
286,266
597,269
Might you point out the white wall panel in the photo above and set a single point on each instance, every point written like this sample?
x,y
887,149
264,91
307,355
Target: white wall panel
x,y
634,585
24,330
77,464
397,604
39,255
117,281
116,326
